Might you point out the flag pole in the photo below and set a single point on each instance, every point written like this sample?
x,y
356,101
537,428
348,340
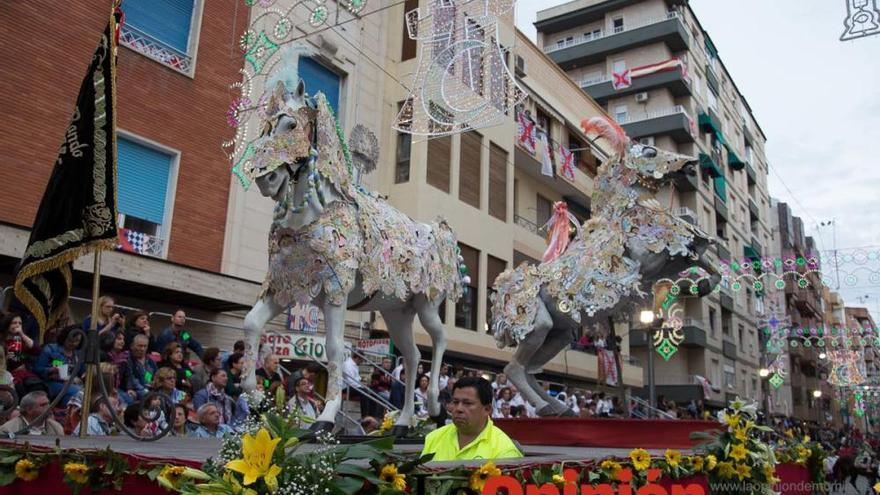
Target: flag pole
x,y
91,347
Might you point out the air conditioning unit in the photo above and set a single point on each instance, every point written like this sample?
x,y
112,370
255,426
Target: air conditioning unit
x,y
642,97
520,69
647,141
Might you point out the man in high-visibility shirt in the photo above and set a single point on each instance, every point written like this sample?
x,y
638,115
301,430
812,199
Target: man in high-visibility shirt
x,y
472,435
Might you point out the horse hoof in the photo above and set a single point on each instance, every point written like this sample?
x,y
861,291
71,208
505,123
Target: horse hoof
x,y
399,431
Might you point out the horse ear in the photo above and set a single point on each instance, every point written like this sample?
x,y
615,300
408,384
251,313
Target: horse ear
x,y
300,89
278,92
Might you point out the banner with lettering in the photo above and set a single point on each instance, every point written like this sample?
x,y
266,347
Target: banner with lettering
x,y
607,367
303,318
77,214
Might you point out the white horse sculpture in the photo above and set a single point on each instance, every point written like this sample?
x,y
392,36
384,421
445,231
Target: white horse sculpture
x,y
631,243
336,246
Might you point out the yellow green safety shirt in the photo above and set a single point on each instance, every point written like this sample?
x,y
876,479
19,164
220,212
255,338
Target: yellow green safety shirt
x,y
491,443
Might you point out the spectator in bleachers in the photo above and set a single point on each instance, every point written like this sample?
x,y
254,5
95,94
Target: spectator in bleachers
x,y
73,413
310,372
172,357
133,419
369,424
165,383
113,351
20,350
182,425
32,406
398,390
268,376
109,320
443,379
445,395
422,395
56,363
215,393
209,423
301,400
505,397
237,348
138,372
201,373
139,324
234,372
177,333
100,418
499,383
380,383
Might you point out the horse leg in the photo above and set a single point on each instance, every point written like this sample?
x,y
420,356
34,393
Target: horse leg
x,y
334,325
516,368
400,323
429,316
556,341
263,311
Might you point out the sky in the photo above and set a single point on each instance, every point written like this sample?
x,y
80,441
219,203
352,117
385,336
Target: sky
x,y
817,100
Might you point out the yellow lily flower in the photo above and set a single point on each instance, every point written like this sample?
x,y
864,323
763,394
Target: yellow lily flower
x,y
740,434
711,462
697,463
673,457
877,487
257,459
390,475
738,452
743,471
726,469
611,466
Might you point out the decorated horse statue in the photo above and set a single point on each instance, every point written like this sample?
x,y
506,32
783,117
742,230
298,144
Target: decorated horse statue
x,y
336,246
613,261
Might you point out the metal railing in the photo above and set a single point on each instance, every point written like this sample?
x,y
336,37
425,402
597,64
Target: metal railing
x,y
645,407
155,49
590,81
527,224
581,39
140,243
663,112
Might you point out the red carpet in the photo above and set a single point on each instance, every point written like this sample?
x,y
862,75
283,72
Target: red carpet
x,y
613,433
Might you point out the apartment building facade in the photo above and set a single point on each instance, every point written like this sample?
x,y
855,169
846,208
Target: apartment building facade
x,y
176,61
653,67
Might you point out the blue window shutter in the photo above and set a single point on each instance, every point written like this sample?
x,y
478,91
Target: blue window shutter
x,y
168,21
319,78
143,181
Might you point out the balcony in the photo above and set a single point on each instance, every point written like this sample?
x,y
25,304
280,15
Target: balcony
x,y
723,252
600,88
528,225
728,349
726,298
754,212
712,79
757,247
131,241
688,215
686,183
721,208
673,121
751,174
584,50
155,49
747,134
577,192
734,161
709,164
694,335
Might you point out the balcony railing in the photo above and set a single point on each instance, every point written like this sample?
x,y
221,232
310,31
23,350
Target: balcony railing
x,y
155,49
581,39
131,241
663,112
528,225
686,212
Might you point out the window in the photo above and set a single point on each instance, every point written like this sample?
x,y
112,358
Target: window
x,y
749,155
712,325
621,113
617,25
712,99
144,174
695,82
544,208
439,154
408,48
498,182
163,30
402,156
729,376
618,66
444,22
466,307
749,300
494,267
716,372
317,77
739,331
469,168
593,34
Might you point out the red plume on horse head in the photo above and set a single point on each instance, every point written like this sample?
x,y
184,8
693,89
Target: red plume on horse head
x,y
608,129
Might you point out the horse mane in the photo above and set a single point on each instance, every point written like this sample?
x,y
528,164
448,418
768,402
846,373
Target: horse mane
x,y
334,161
608,129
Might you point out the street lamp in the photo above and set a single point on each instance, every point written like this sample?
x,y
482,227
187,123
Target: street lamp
x,y
647,319
817,393
822,355
763,372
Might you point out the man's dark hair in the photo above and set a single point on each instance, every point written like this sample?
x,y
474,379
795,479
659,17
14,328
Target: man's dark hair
x,y
238,346
131,414
234,358
215,372
484,388
313,367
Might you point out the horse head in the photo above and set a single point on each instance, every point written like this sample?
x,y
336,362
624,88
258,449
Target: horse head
x,y
287,134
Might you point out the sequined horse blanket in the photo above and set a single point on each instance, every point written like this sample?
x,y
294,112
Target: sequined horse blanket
x,y
592,274
394,254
